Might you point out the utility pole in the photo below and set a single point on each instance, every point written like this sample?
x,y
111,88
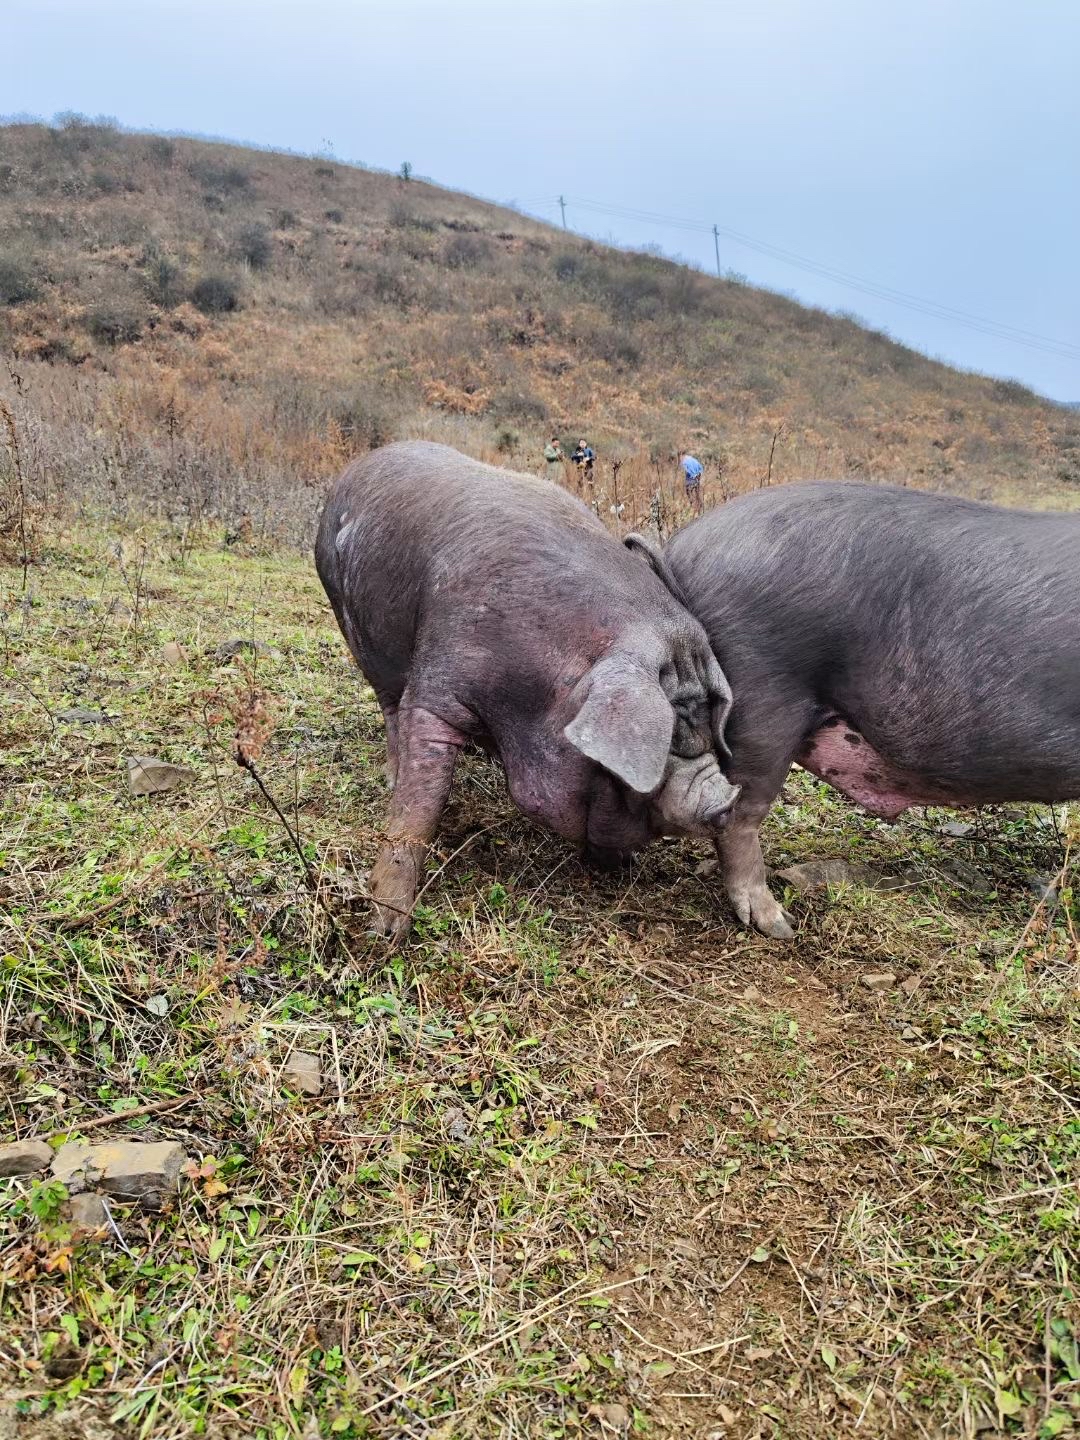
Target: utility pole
x,y
562,206
716,242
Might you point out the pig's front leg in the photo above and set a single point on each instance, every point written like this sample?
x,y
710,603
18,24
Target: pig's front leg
x,y
742,869
763,754
390,716
427,749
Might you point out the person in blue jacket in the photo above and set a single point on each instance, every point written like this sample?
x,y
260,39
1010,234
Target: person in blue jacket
x,y
584,457
692,470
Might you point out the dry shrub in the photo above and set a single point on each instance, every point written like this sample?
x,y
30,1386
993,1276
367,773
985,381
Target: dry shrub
x,y
467,252
253,245
115,321
216,295
459,401
18,283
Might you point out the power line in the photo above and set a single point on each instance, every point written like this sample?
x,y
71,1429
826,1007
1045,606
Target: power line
x,y
995,329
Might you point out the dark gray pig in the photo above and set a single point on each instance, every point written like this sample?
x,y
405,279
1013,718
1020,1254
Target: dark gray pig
x,y
908,648
488,606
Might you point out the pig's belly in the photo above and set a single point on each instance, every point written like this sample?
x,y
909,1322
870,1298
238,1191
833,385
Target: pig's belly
x,y
838,754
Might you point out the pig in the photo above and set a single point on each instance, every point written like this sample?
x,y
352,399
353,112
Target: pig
x,y
493,607
907,648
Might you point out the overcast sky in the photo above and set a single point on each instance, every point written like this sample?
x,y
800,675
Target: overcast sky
x,y
926,146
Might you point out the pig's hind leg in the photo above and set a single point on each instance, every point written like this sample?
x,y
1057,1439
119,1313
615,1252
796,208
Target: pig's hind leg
x,y
427,748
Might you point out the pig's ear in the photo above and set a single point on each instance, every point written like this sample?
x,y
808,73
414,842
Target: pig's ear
x,y
722,701
640,546
625,724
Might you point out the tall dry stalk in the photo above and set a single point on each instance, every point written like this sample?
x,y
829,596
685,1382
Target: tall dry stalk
x,y
13,495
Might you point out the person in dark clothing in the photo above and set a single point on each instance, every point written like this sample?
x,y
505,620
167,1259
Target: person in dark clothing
x,y
584,457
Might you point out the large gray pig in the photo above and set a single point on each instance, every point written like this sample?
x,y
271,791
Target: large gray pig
x,y
908,648
484,605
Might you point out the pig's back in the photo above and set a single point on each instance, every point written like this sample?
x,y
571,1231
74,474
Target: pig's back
x,y
867,562
419,544
439,509
944,626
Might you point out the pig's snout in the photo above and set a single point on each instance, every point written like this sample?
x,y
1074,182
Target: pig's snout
x,y
696,798
720,814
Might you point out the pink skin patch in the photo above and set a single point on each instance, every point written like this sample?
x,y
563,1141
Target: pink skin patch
x,y
838,754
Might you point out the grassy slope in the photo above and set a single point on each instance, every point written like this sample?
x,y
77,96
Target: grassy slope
x,y
590,1159
370,309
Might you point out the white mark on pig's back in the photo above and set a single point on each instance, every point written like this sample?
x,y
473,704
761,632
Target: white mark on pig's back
x,y
343,533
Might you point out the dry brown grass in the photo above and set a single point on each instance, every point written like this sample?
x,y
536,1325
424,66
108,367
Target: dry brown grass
x,y
372,309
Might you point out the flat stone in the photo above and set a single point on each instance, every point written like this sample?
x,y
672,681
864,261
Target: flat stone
x,y
173,654
457,1124
127,1169
958,871
879,980
817,874
612,1417
229,649
957,829
1044,887
24,1157
87,1211
303,1072
79,715
911,984
149,776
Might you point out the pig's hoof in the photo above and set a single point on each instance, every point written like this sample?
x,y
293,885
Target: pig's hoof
x,y
394,882
762,912
779,928
390,925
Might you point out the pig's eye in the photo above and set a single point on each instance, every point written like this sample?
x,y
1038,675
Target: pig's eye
x,y
690,738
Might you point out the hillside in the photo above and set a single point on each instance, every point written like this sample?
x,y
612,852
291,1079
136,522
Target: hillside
x,y
215,326
583,1159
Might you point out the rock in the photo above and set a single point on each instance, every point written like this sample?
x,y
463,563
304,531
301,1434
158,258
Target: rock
x,y
24,1157
1044,886
127,1169
79,715
817,874
879,980
958,871
149,776
996,949
457,1124
229,649
612,1416
751,994
909,1033
303,1072
957,829
705,868
911,984
88,1211
173,654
